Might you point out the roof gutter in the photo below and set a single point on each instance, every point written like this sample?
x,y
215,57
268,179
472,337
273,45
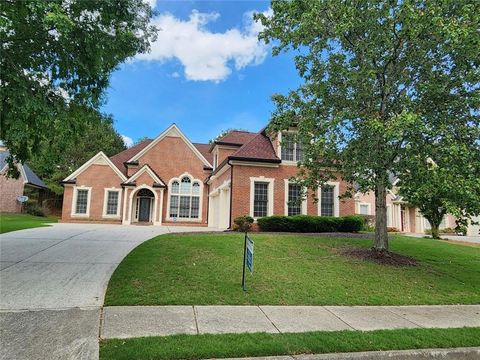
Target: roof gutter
x,y
240,158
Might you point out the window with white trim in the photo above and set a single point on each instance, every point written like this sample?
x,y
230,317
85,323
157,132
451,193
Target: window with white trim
x,y
185,199
291,149
81,204
112,202
327,201
260,199
294,201
364,209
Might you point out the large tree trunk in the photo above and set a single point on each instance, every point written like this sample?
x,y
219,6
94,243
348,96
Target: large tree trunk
x,y
381,235
435,231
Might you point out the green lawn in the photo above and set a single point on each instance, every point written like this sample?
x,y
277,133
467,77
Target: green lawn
x,y
292,270
262,344
13,222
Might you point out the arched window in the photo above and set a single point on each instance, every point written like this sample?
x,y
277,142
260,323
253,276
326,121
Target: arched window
x,y
185,199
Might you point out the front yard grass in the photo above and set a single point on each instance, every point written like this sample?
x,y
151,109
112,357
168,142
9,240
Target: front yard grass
x,y
13,222
205,269
262,344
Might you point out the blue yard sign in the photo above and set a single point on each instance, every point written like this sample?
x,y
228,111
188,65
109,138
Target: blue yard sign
x,y
247,258
249,254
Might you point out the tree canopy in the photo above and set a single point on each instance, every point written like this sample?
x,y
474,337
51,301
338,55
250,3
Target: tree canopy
x,y
66,149
445,179
380,80
57,54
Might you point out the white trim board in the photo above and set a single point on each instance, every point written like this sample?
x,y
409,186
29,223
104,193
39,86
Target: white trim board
x,y
95,159
336,199
105,202
73,212
174,131
303,205
271,189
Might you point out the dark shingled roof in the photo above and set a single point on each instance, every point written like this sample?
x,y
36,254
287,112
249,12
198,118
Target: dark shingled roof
x,y
127,154
258,148
205,151
31,177
235,138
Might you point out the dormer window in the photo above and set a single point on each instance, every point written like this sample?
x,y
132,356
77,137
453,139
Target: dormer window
x,y
291,149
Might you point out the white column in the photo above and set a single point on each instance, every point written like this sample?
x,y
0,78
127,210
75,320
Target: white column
x,y
126,208
160,207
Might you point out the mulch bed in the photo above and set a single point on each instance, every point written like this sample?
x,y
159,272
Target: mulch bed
x,y
379,257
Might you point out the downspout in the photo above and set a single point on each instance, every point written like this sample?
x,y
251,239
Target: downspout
x,y
231,195
208,200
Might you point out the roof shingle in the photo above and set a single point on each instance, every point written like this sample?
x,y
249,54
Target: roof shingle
x,y
205,151
258,148
125,155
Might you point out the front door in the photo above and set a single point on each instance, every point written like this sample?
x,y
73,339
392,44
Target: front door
x,y
144,211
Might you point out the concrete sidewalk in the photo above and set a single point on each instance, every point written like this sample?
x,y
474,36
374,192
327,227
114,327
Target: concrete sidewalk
x,y
138,321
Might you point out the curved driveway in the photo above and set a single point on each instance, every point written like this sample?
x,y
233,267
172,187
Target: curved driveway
x,y
61,271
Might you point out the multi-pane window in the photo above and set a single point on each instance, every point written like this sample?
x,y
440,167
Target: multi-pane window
x,y
185,199
294,201
112,202
260,199
364,209
82,201
327,201
292,150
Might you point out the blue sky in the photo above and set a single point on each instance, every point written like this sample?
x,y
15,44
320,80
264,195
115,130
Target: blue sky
x,y
206,72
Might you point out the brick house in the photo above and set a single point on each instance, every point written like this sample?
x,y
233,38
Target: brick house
x,y
170,180
10,189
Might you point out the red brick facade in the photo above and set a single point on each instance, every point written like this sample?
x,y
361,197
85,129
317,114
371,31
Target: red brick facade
x,y
9,190
154,165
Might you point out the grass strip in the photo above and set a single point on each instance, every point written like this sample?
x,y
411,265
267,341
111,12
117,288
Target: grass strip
x,y
263,344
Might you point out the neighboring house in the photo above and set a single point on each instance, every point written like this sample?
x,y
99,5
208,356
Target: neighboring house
x,y
170,180
474,227
400,215
10,189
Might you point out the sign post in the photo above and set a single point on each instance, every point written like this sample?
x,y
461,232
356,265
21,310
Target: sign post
x,y
247,258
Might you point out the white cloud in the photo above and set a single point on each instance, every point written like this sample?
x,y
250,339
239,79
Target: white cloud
x,y
206,55
152,3
127,140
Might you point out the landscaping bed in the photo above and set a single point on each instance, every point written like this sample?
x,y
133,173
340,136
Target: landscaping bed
x,y
206,269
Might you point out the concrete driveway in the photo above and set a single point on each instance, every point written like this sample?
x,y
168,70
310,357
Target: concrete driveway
x,y
53,282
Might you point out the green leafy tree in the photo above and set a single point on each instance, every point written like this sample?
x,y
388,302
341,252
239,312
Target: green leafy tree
x,y
445,179
67,149
142,139
55,53
376,77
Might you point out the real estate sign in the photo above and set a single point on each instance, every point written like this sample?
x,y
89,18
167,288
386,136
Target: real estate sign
x,y
247,258
249,254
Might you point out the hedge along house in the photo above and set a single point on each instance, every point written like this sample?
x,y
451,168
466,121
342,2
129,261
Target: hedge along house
x,y
170,180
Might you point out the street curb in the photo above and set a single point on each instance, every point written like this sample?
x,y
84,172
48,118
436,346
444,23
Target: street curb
x,y
468,353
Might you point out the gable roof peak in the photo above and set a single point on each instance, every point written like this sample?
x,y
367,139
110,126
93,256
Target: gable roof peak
x,y
172,130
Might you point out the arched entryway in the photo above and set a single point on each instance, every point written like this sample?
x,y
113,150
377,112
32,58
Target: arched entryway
x,y
144,205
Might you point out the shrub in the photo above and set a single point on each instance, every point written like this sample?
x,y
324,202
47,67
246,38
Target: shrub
x,y
243,223
34,209
313,224
352,223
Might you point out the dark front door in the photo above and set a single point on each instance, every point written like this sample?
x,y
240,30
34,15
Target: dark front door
x,y
144,211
